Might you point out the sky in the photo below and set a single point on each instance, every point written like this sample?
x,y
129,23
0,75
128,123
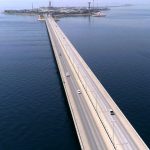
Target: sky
x,y
21,4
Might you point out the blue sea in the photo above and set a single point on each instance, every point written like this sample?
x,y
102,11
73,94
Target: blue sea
x,y
34,113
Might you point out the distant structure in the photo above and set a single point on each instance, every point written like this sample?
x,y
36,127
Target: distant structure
x,y
89,5
93,4
50,4
32,6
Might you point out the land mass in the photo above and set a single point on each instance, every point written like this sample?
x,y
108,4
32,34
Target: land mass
x,y
58,11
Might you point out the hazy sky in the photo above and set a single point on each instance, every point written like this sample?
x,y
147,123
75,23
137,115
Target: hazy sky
x,y
18,4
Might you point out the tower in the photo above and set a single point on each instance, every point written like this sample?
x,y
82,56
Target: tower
x,y
50,4
89,5
32,7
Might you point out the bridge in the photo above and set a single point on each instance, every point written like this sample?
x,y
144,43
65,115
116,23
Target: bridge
x,y
99,123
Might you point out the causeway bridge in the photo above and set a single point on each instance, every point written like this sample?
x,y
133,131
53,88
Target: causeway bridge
x,y
99,123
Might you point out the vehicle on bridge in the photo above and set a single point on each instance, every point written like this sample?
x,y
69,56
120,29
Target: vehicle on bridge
x,y
78,91
112,112
67,74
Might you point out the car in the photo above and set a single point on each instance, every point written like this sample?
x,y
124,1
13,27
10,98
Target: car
x,y
111,112
67,74
78,91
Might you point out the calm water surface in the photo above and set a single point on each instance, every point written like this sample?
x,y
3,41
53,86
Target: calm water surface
x,y
34,113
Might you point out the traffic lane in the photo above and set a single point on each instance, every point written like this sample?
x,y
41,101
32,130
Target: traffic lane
x,y
81,99
85,112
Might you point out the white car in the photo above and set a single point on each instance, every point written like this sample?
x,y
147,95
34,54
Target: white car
x,y
78,91
67,74
111,112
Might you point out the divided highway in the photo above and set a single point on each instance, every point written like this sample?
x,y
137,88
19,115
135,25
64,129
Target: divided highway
x,y
99,122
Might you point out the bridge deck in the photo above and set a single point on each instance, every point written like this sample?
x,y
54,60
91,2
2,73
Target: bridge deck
x,y
95,126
